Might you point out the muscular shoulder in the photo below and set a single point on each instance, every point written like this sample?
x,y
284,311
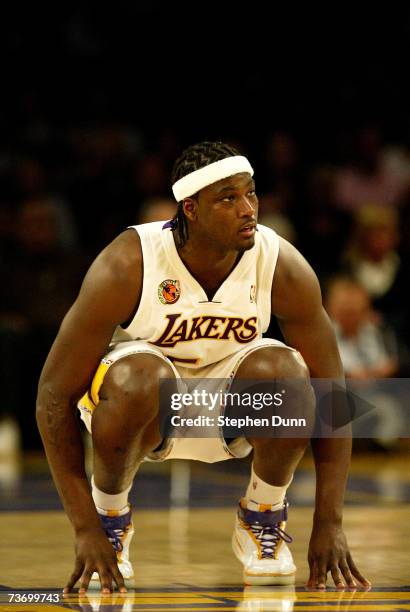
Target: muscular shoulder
x,y
295,284
115,277
122,258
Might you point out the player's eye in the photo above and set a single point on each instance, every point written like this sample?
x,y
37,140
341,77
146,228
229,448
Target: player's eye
x,y
252,193
229,198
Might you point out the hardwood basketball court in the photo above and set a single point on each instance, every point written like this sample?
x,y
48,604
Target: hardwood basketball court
x,y
181,549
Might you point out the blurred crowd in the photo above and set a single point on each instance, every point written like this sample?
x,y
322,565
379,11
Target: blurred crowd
x,y
66,193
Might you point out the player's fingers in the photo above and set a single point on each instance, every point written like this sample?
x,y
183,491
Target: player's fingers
x,y
321,574
85,581
350,581
312,574
356,573
337,577
119,579
105,581
73,579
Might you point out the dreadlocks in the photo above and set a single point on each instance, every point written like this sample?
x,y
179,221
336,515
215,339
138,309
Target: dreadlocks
x,y
195,157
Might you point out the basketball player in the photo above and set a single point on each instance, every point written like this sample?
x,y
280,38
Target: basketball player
x,y
190,298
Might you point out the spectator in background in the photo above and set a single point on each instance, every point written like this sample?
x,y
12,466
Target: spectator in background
x,y
368,351
374,174
31,183
41,272
271,215
41,279
373,260
372,255
364,351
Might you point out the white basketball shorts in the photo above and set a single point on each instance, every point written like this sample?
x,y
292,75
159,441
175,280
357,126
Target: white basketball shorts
x,y
208,450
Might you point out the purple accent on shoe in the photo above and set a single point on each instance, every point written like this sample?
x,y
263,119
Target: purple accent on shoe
x,y
266,524
114,527
264,518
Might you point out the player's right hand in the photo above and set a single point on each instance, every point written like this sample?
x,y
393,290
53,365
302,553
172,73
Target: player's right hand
x,y
94,553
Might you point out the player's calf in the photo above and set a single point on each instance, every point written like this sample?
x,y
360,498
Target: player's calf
x,y
125,423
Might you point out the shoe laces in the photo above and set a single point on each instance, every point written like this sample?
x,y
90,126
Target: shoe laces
x,y
115,536
115,528
266,527
269,537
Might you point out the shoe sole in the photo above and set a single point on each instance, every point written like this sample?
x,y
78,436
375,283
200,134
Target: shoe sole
x,y
262,579
268,579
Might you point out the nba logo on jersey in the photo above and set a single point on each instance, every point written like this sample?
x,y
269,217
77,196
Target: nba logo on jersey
x,y
252,294
169,291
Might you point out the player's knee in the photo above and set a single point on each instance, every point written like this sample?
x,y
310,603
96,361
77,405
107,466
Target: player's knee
x,y
133,382
272,362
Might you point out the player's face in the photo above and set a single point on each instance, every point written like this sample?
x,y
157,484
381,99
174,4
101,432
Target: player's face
x,y
227,212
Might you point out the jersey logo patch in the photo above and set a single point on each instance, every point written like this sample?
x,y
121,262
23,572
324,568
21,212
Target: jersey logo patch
x,y
252,294
169,291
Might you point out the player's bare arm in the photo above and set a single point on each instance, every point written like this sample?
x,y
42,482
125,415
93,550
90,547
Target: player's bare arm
x,y
108,297
297,304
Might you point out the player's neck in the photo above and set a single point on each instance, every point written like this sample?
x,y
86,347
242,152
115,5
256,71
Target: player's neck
x,y
207,264
202,256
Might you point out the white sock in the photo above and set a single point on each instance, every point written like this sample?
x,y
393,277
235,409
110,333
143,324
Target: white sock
x,y
105,502
261,493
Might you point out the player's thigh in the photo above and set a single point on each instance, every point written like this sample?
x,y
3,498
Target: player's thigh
x,y
130,367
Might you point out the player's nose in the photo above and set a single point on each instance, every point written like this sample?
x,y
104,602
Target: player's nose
x,y
246,208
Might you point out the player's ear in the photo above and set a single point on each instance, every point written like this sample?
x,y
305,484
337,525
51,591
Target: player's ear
x,y
190,208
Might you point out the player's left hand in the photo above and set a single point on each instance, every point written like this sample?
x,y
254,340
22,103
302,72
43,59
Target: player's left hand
x,y
329,552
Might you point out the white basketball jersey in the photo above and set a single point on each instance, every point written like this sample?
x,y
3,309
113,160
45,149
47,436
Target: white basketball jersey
x,y
175,313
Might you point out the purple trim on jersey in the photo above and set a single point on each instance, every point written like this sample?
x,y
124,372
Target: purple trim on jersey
x,y
169,224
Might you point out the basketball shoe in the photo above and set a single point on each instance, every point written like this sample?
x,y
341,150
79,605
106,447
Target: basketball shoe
x,y
259,541
119,531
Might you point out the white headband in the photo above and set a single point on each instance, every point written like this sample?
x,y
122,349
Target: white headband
x,y
197,180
